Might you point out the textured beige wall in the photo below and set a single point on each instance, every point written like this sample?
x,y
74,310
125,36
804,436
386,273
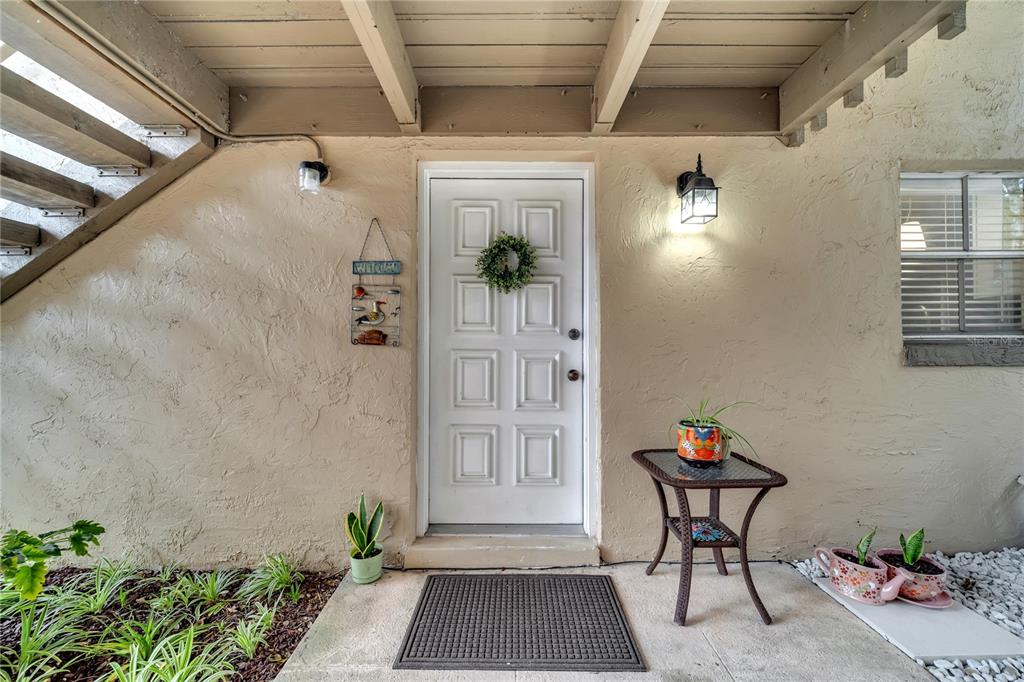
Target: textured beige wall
x,y
187,380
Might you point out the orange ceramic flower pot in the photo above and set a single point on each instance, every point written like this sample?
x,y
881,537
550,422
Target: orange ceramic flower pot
x,y
701,445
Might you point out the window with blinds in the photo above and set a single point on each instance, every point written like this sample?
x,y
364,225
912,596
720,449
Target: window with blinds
x,y
962,255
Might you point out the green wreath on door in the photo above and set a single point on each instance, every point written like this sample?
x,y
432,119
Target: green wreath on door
x,y
493,264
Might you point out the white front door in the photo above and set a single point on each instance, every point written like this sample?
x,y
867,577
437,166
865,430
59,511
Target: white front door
x,y
506,421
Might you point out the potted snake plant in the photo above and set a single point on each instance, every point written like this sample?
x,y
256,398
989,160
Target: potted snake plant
x,y
925,578
366,557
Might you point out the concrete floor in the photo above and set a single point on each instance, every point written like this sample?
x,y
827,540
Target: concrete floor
x,y
358,634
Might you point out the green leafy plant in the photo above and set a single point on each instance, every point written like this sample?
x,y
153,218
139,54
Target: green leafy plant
x,y
251,632
166,574
24,557
704,417
210,587
864,546
295,593
202,593
175,658
362,530
913,547
493,264
125,635
274,576
49,642
99,588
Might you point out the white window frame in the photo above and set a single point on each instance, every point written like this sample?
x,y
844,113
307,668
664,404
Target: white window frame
x,y
961,256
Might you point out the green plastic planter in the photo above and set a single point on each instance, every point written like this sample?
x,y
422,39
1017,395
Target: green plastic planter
x,y
367,570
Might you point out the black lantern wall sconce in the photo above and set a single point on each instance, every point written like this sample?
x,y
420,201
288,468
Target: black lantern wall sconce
x,y
698,197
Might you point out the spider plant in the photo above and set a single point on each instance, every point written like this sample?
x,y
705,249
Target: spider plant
x,y
10,601
705,416
183,594
295,593
209,587
274,576
128,635
175,658
166,574
107,581
49,643
251,632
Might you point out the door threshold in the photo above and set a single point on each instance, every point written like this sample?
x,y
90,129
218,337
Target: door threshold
x,y
501,551
507,529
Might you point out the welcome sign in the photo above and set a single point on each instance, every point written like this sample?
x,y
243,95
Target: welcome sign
x,y
376,267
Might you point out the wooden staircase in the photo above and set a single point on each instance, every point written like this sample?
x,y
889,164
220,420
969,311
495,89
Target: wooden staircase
x,y
53,212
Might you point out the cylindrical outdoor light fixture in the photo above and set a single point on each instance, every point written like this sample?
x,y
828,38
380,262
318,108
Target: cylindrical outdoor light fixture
x,y
312,174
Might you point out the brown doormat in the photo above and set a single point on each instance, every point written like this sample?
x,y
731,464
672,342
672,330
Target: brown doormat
x,y
519,622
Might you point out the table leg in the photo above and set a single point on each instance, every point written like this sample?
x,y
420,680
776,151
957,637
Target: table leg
x,y
743,556
664,527
713,513
686,559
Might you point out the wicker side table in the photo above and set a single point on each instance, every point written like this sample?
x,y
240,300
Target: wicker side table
x,y
666,469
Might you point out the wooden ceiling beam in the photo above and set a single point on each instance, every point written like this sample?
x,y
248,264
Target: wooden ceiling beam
x,y
27,184
311,111
635,25
31,112
505,111
700,111
17,233
131,33
879,31
377,29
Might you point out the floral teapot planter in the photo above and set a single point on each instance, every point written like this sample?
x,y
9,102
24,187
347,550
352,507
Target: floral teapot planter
x,y
701,445
919,587
869,584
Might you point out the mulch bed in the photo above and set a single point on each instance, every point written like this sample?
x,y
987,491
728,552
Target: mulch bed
x,y
291,622
290,625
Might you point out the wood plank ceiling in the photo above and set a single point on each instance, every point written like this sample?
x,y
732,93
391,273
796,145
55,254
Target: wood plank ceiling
x,y
641,67
310,43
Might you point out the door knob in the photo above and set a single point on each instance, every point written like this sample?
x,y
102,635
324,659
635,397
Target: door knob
x,y
574,375
574,334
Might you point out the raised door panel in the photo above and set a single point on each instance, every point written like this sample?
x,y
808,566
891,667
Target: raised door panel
x,y
473,226
473,449
474,379
537,380
537,455
540,222
537,306
474,306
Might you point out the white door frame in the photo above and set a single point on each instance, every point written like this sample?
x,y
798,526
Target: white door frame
x,y
428,170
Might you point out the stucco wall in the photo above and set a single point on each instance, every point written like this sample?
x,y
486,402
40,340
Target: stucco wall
x,y
186,379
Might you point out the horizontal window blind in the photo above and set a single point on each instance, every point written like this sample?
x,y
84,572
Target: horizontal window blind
x,y
962,254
